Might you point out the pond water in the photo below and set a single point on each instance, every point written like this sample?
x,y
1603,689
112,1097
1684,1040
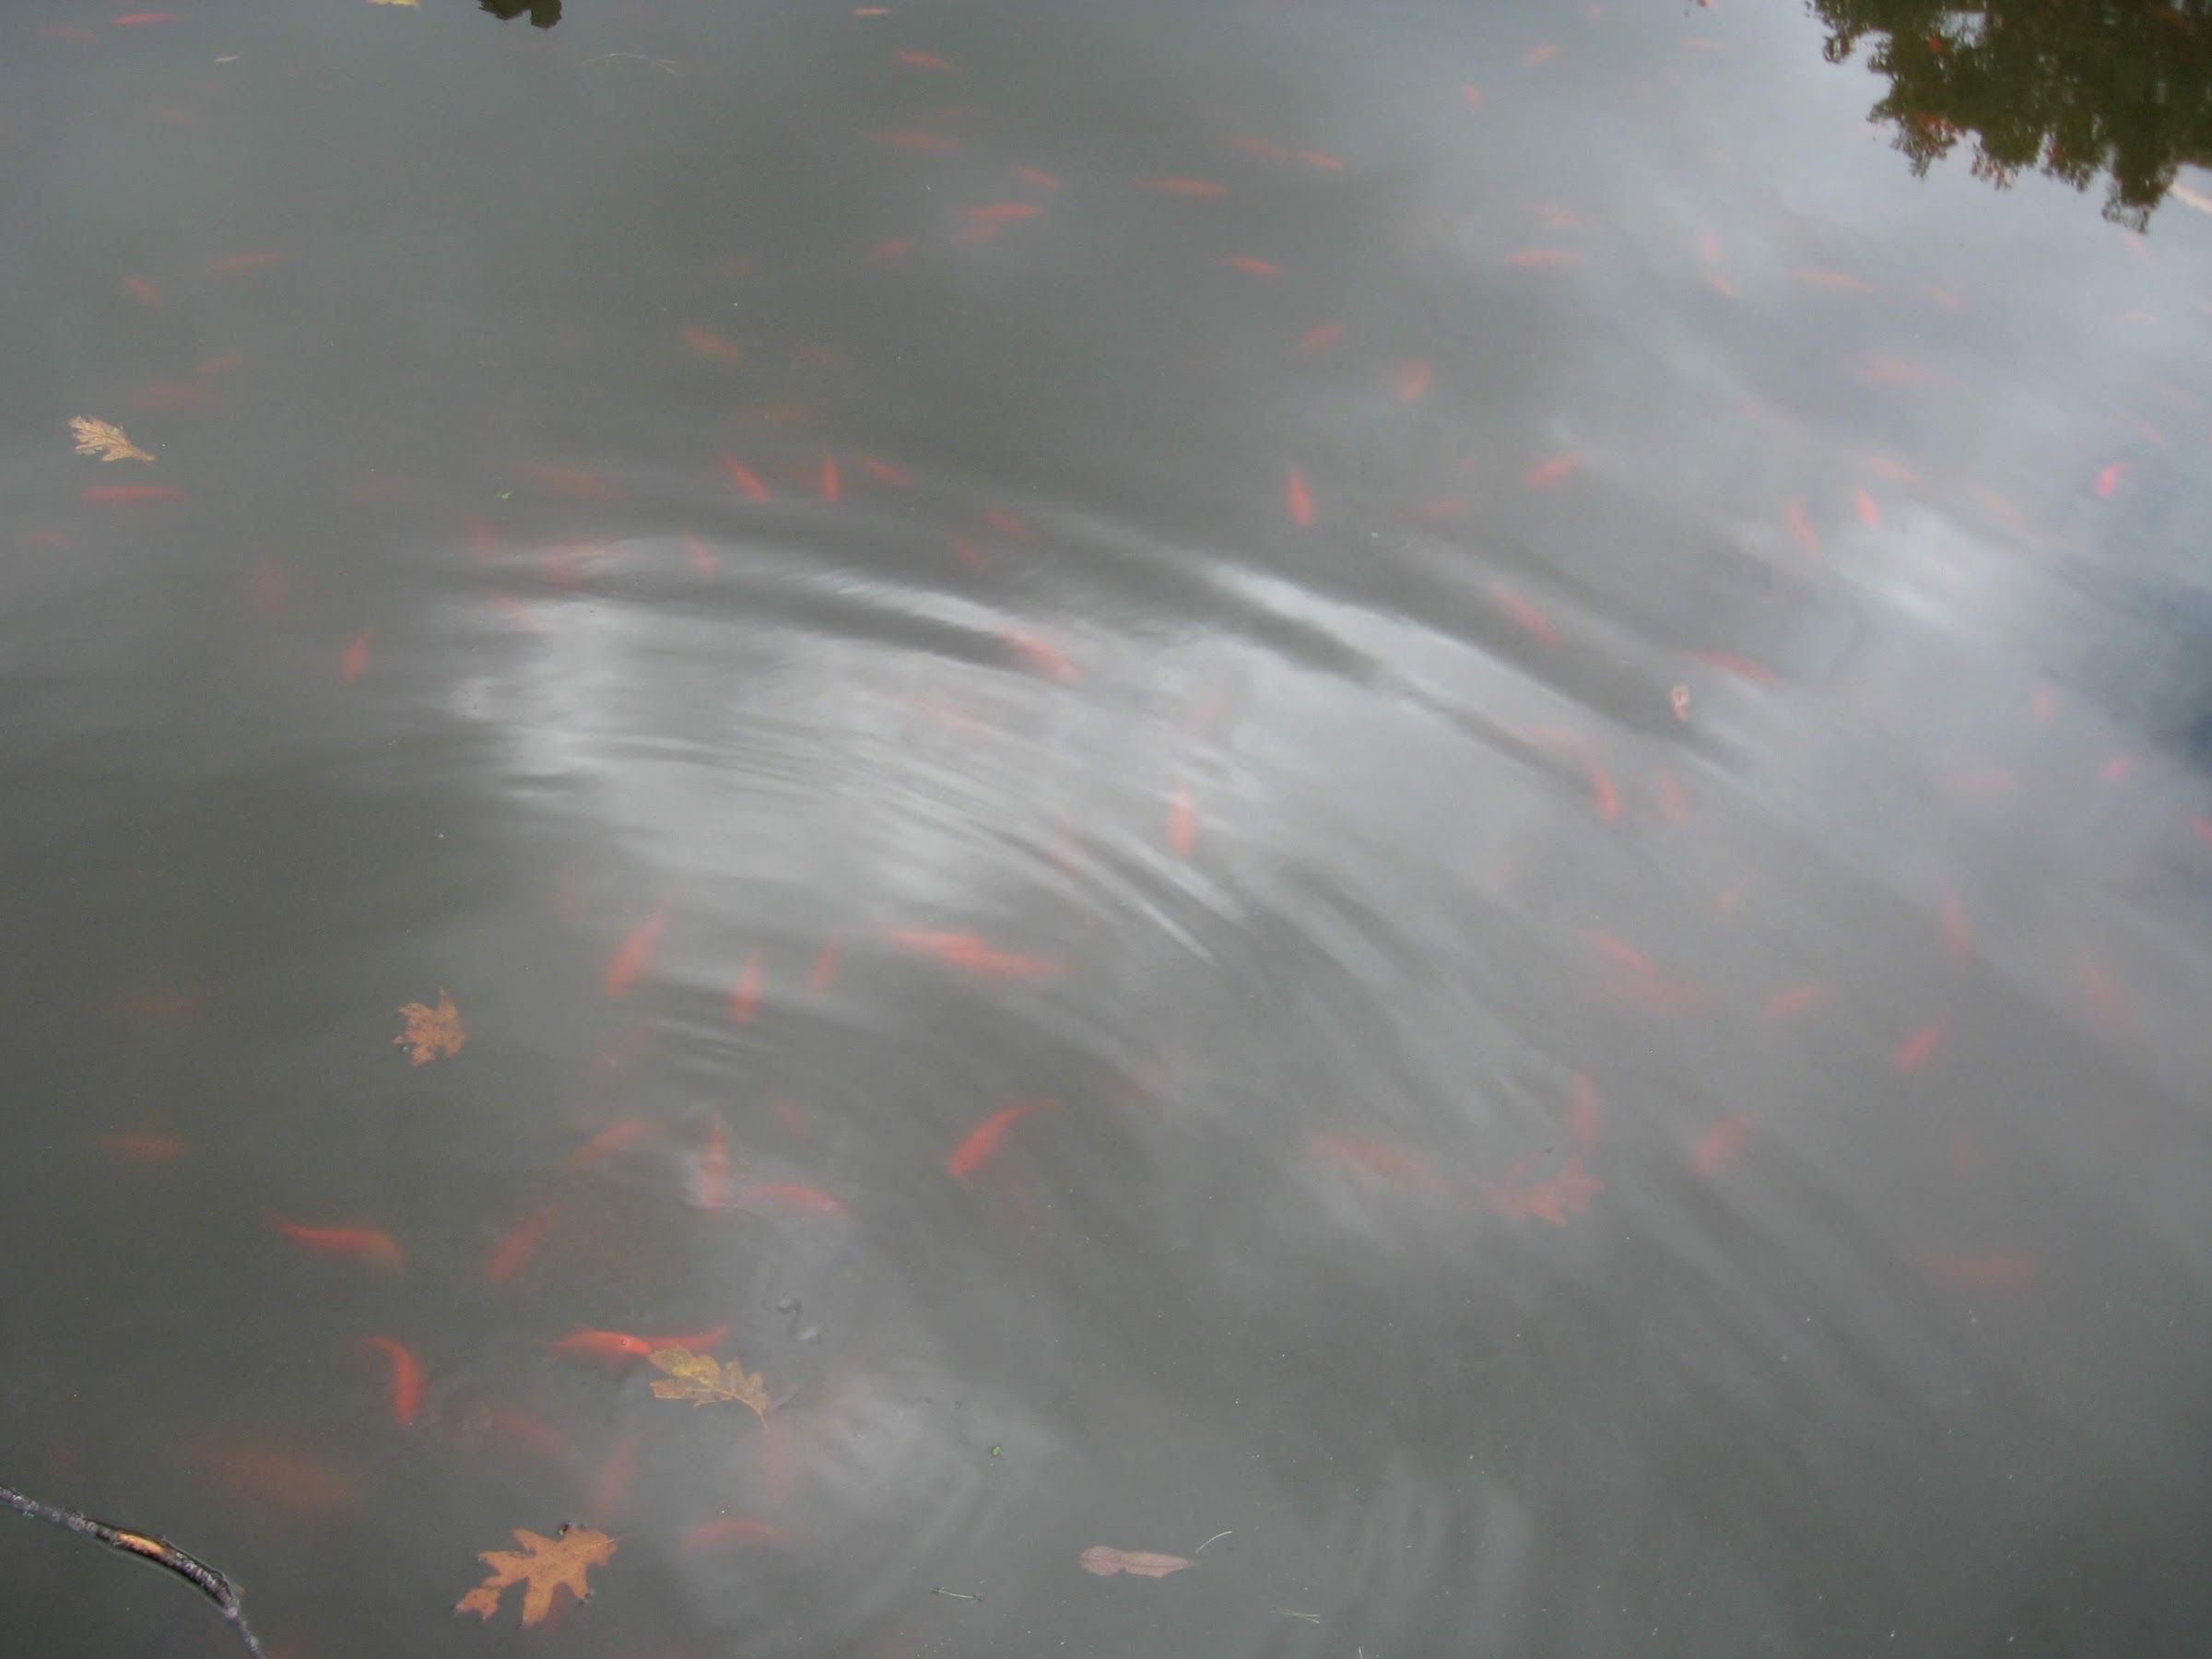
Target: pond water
x,y
1415,799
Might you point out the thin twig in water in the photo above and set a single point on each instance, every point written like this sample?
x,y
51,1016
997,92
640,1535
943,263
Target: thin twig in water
x,y
160,1551
1214,1539
1308,1618
955,1594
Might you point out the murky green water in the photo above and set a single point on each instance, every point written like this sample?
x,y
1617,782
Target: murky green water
x,y
1418,791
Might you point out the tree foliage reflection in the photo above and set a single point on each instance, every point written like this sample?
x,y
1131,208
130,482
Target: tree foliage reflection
x,y
2080,89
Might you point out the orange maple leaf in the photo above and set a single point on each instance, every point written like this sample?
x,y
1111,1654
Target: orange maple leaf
x,y
545,1565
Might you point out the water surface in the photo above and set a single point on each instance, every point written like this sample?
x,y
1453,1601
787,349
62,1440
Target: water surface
x,y
1421,790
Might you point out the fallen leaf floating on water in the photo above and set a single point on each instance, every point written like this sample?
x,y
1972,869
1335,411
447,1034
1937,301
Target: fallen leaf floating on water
x,y
105,440
413,3
547,1565
1106,1563
432,1031
697,1378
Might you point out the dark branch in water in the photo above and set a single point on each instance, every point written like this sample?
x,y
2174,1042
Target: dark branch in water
x,y
160,1551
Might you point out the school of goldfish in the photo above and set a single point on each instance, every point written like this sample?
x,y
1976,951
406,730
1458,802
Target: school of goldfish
x,y
1568,1163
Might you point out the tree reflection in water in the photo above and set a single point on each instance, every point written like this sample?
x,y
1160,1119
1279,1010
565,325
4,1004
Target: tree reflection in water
x,y
2078,88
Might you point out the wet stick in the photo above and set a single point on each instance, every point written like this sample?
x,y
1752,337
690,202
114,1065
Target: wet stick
x,y
160,1551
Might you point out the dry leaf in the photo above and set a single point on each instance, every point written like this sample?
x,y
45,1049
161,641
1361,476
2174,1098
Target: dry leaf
x,y
696,1378
395,2
105,440
1106,1563
549,1564
432,1031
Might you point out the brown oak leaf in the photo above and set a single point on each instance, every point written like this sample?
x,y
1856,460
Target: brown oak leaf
x,y
545,1565
105,440
432,1031
699,1379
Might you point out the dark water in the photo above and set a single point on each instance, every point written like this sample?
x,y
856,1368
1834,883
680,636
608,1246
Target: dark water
x,y
1554,720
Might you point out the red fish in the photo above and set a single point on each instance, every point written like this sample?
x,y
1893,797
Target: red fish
x,y
1266,149
1869,511
1539,54
1604,795
1298,498
1470,95
142,1147
305,1488
1584,1119
1567,1193
825,967
1801,529
520,1428
1795,1000
1253,267
744,1000
406,1378
1182,823
1835,282
1620,954
1413,382
2118,769
1987,1270
1526,616
711,1176
832,489
145,292
370,1244
977,1146
1194,189
920,143
1006,523
1044,659
617,1473
743,477
234,265
601,1345
1366,1155
615,1137
513,1253
1547,473
888,251
732,1529
923,60
355,663
2107,480
1031,175
1315,339
1759,673
884,473
101,495
789,1195
1717,1146
635,952
1672,805
143,19
1920,1048
973,955
1315,158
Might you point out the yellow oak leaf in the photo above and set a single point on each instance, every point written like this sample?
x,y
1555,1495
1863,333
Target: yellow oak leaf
x,y
105,440
545,1565
696,1378
432,1031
